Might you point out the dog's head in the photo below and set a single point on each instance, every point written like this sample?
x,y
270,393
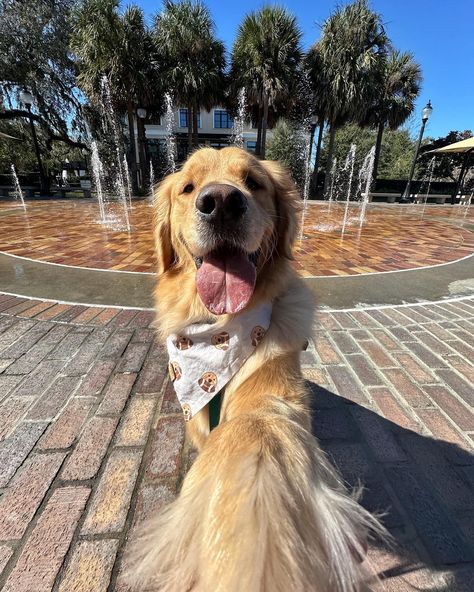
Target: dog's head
x,y
228,216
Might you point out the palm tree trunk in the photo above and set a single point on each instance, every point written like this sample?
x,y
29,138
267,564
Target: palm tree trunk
x,y
190,128
258,147
378,146
314,176
264,126
195,126
133,152
332,134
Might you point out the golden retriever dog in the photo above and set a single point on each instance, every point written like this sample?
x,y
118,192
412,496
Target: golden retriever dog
x,y
261,509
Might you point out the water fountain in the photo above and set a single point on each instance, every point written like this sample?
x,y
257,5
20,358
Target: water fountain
x,y
152,180
170,136
365,182
18,191
348,167
98,175
425,185
237,138
128,181
305,133
114,181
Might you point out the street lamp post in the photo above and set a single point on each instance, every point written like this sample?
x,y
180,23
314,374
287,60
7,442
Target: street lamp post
x,y
27,99
425,115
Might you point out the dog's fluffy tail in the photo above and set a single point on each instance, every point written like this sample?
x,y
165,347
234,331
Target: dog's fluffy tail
x,y
261,510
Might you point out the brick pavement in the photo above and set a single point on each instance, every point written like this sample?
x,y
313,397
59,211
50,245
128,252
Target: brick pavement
x,y
92,440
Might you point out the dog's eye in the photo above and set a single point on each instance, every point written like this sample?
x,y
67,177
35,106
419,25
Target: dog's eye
x,y
189,188
251,184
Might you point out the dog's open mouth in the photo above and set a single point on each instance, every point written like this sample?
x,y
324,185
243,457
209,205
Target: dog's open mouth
x,y
225,280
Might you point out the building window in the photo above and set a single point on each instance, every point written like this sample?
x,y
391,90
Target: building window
x,y
251,147
222,119
219,145
183,118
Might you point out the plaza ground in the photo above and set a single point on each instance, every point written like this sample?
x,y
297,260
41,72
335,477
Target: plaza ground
x,y
92,436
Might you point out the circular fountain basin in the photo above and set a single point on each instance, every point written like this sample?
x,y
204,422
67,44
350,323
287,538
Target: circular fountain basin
x,y
391,238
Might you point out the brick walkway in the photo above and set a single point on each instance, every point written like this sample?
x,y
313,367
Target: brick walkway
x,y
92,440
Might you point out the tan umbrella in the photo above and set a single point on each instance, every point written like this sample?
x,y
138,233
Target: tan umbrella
x,y
465,147
457,147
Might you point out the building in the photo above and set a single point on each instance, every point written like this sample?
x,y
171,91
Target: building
x,y
215,129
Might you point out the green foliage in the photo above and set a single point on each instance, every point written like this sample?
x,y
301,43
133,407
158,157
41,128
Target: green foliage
x,y
396,155
446,166
287,145
266,60
35,54
346,65
194,60
399,90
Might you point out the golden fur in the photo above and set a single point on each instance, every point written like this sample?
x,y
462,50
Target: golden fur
x,y
261,510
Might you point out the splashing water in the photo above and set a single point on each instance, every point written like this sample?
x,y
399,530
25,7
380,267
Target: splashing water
x,y
98,176
365,181
348,167
18,190
129,182
170,136
305,133
237,138
152,180
110,126
425,185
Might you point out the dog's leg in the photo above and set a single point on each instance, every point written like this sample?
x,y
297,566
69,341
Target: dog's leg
x,y
261,510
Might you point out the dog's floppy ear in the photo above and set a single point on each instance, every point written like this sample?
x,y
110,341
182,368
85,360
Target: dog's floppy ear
x,y
287,204
162,225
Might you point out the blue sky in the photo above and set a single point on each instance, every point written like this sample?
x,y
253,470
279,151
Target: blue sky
x,y
439,32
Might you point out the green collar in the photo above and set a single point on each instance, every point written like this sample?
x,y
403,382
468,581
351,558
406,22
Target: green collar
x,y
215,410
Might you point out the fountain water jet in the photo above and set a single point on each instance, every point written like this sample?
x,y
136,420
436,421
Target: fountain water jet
x,y
348,166
237,138
152,180
306,149
98,175
365,178
128,181
170,136
18,191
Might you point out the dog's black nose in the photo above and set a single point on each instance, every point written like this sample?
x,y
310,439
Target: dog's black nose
x,y
220,201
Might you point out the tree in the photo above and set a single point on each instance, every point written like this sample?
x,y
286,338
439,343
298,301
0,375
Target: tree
x,y
35,55
117,46
396,154
352,52
400,87
287,145
266,59
194,60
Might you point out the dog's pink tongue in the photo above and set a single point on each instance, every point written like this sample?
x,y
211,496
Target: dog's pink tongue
x,y
225,284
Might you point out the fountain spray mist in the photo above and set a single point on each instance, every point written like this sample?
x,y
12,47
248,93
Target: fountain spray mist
x,y
18,191
349,166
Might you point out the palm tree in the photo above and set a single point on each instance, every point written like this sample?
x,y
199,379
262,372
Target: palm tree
x,y
352,52
184,34
265,61
396,101
117,46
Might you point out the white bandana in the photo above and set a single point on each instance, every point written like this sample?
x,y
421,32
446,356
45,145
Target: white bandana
x,y
203,358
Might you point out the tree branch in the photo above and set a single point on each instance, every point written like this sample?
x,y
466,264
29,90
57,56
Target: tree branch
x,y
16,113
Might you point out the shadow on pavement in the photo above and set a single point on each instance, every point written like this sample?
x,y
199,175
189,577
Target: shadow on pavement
x,y
423,486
